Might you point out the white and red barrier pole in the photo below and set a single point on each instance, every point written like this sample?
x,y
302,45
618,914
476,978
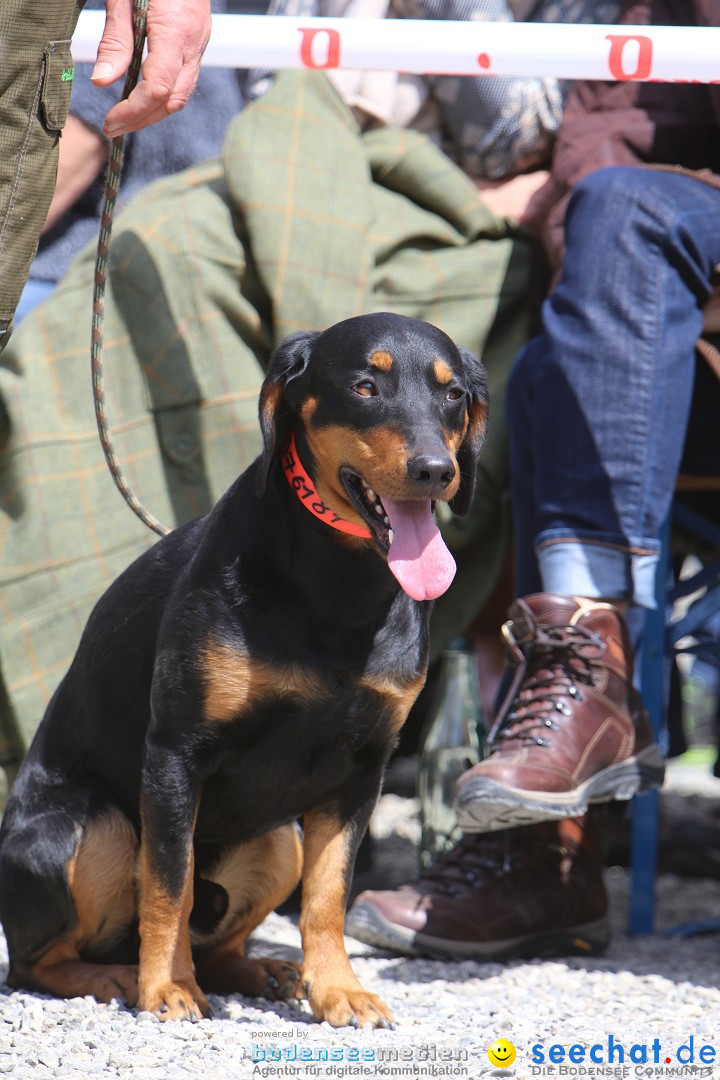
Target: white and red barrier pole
x,y
434,47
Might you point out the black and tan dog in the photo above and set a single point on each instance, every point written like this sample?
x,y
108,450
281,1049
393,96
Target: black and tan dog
x,y
253,668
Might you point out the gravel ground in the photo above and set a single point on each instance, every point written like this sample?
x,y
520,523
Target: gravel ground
x,y
448,1014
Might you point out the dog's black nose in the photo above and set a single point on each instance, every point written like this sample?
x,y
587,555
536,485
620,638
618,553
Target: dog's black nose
x,y
431,471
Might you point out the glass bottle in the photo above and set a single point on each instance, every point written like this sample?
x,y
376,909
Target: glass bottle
x,y
453,740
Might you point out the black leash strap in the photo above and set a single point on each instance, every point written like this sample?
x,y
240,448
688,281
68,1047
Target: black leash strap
x,y
112,181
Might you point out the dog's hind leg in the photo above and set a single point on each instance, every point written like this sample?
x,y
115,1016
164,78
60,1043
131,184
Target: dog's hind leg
x,y
84,906
257,877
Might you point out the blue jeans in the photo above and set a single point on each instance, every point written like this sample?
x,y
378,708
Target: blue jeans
x,y
598,403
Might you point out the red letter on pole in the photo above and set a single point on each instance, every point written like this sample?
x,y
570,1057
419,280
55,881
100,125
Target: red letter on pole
x,y
332,56
644,62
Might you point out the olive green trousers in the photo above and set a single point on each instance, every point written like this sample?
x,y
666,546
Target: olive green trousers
x,y
36,72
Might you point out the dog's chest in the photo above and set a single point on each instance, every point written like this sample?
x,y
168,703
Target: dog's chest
x,y
292,734
238,688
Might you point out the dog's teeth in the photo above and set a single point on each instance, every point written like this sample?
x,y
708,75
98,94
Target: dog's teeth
x,y
370,493
378,508
390,535
386,519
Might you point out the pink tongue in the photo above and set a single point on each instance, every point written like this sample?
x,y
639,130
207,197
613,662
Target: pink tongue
x,y
418,557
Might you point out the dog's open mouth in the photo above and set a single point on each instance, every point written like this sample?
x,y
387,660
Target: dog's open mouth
x,y
406,533
370,507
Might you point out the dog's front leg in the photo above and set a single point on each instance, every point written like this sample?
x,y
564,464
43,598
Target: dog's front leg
x,y
334,992
166,979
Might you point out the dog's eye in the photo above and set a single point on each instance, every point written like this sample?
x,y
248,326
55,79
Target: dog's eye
x,y
366,388
455,393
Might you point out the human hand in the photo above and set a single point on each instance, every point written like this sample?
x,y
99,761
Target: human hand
x,y
512,198
177,34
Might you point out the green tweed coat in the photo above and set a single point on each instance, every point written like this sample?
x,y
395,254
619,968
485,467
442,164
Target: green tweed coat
x,y
304,221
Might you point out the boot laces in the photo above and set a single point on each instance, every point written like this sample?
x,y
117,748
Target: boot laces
x,y
471,861
476,859
559,660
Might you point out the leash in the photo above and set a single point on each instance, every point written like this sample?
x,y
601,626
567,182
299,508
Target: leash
x,y
112,182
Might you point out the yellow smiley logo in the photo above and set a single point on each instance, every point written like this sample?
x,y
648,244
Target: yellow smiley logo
x,y
501,1053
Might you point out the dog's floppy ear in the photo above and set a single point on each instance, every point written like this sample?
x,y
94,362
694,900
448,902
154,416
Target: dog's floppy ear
x,y
475,435
289,361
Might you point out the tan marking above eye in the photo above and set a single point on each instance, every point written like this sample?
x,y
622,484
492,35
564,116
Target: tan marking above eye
x,y
381,360
443,372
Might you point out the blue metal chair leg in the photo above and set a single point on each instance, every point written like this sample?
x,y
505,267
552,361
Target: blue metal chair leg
x,y
645,821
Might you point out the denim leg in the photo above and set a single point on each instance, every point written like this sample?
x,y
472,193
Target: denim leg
x,y
598,403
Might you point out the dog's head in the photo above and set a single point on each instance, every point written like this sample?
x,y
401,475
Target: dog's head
x,y
390,415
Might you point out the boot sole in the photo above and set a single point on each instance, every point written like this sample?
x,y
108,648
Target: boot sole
x,y
367,924
484,805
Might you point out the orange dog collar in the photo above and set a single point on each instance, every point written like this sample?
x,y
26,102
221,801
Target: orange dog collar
x,y
299,480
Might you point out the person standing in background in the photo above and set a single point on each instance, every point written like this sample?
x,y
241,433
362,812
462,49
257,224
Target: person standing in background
x,y
186,138
35,85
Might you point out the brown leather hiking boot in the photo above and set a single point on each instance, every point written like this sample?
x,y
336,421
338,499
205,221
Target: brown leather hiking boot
x,y
533,892
572,729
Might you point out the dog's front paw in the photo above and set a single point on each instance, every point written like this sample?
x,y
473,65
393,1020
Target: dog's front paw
x,y
176,1001
349,1007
